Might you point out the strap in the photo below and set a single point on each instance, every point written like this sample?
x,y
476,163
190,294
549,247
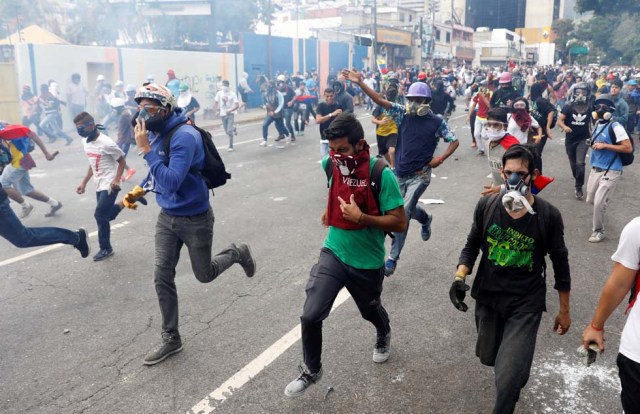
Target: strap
x,y
612,137
167,140
328,170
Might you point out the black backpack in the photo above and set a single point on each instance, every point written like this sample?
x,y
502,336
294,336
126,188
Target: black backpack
x,y
626,158
213,172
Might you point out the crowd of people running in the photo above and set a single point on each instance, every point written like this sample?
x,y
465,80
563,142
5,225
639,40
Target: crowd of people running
x,y
512,112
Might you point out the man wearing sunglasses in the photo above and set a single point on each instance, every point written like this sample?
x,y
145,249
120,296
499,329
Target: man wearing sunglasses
x,y
515,231
186,217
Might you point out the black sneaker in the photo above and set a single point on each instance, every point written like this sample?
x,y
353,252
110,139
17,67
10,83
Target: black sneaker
x,y
298,386
382,350
53,210
246,259
171,344
579,194
82,245
102,254
280,138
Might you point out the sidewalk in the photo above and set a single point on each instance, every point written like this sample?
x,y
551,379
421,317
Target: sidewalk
x,y
252,115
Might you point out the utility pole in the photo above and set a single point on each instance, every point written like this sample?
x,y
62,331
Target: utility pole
x,y
213,30
269,62
374,31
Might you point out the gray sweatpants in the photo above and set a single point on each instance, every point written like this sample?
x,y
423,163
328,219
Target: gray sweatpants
x,y
599,190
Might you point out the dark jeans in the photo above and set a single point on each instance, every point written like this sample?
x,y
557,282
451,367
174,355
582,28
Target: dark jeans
x,y
288,114
472,124
268,120
325,281
196,232
507,341
577,153
539,148
303,116
632,121
106,211
11,228
629,372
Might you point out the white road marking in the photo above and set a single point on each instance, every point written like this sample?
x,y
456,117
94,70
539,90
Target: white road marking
x,y
52,247
253,368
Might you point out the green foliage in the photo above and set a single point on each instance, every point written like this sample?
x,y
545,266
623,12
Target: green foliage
x,y
562,30
603,7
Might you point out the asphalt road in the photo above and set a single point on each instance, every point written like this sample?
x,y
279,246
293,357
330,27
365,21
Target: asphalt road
x,y
236,326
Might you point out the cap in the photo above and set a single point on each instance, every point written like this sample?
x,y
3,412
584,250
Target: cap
x,y
171,72
422,76
633,82
183,87
129,88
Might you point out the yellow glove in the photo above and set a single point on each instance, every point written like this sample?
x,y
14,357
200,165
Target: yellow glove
x,y
132,197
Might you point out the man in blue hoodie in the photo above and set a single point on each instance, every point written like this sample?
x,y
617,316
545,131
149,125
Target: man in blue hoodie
x,y
186,217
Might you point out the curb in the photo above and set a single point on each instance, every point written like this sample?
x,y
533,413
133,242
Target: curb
x,y
218,124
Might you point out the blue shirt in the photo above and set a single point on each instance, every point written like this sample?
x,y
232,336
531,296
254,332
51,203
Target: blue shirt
x,y
179,191
418,138
605,158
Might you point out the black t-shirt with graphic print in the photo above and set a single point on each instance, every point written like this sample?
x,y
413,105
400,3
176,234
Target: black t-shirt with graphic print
x,y
513,273
579,123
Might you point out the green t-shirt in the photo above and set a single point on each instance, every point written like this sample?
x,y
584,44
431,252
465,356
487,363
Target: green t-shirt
x,y
364,249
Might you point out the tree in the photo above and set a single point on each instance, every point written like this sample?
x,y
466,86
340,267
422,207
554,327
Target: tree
x,y
604,7
562,30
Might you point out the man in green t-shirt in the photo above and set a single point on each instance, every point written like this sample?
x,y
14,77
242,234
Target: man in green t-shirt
x,y
353,252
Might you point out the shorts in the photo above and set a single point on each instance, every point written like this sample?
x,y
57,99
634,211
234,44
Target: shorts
x,y
384,143
17,178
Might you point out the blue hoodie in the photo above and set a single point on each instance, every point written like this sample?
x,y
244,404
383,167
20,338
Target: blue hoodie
x,y
179,191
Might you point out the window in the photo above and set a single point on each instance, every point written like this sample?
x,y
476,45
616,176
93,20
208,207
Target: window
x,y
438,35
402,17
448,37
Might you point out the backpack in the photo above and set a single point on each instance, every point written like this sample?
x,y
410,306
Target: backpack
x,y
540,119
375,179
213,172
625,158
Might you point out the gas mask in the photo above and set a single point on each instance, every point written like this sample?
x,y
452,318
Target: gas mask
x,y
515,197
602,113
153,123
415,108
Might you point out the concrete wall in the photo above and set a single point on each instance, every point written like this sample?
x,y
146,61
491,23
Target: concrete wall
x,y
37,64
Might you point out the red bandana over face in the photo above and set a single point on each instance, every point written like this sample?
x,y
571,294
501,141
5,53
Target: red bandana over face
x,y
350,175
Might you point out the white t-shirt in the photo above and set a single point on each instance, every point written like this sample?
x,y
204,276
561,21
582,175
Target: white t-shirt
x,y
226,101
514,129
103,156
371,83
628,255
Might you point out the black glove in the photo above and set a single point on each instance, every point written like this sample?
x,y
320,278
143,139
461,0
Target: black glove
x,y
457,293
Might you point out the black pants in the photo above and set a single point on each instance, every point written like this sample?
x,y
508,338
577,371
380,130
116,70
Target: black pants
x,y
629,372
325,281
472,124
507,342
539,148
577,153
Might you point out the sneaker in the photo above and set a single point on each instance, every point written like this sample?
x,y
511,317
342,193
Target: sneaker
x,y
26,210
480,152
102,254
82,245
596,237
129,174
53,210
171,344
246,259
390,266
298,386
579,194
279,138
301,133
293,140
263,143
382,350
426,228
230,149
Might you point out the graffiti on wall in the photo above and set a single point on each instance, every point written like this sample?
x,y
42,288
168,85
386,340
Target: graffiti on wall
x,y
208,87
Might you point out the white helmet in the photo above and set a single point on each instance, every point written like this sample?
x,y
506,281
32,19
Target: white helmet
x,y
116,102
100,78
281,78
157,92
119,84
150,78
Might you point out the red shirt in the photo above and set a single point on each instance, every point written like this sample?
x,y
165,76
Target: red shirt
x,y
483,108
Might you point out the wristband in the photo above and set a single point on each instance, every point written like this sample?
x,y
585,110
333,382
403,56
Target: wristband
x,y
596,329
360,218
460,275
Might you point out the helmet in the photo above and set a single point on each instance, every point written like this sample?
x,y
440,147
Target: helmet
x,y
116,102
119,84
605,99
281,78
156,92
100,78
183,87
129,88
422,76
150,78
479,79
505,78
611,76
419,90
582,86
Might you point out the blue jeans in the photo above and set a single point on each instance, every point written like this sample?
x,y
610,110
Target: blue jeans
x,y
11,228
106,211
411,188
288,114
196,232
268,120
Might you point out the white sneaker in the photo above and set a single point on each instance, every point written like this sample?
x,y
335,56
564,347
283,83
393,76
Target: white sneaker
x,y
230,149
596,237
26,210
263,143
